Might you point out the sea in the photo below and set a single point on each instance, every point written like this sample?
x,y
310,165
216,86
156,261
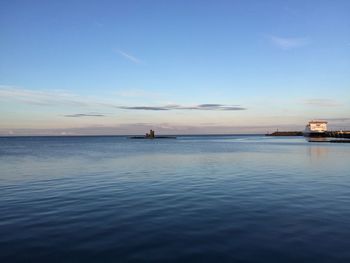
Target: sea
x,y
234,198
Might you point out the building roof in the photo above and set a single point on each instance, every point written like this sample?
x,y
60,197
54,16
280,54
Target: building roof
x,y
318,121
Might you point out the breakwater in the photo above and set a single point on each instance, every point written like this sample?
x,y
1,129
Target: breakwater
x,y
285,133
338,134
331,134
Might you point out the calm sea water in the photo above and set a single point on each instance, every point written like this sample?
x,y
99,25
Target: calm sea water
x,y
193,199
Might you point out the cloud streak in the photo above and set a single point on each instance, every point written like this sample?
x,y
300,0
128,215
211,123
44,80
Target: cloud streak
x,y
287,43
209,107
339,119
43,98
59,98
322,102
139,93
80,115
128,56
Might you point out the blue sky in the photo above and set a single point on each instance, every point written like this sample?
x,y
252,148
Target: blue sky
x,y
122,67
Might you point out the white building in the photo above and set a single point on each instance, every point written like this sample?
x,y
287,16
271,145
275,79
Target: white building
x,y
316,127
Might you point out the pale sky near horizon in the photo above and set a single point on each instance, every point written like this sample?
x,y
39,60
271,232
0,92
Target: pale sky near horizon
x,y
122,67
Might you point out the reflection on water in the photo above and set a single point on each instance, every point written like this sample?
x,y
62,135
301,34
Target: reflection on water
x,y
194,199
317,139
318,152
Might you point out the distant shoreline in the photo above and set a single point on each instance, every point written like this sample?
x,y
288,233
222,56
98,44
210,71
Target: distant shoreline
x,y
136,135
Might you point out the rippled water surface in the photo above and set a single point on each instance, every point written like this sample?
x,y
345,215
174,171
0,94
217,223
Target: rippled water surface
x,y
193,199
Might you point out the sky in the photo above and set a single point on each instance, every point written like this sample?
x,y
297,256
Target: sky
x,y
179,67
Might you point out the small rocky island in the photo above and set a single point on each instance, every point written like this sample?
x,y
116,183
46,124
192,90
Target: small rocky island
x,y
151,135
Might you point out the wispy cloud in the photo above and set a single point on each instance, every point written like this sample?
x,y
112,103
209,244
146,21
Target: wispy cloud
x,y
38,97
338,119
212,107
150,108
80,115
98,24
61,98
287,43
128,56
139,93
322,102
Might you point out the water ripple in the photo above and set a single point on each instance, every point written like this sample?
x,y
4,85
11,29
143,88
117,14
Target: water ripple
x,y
195,199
